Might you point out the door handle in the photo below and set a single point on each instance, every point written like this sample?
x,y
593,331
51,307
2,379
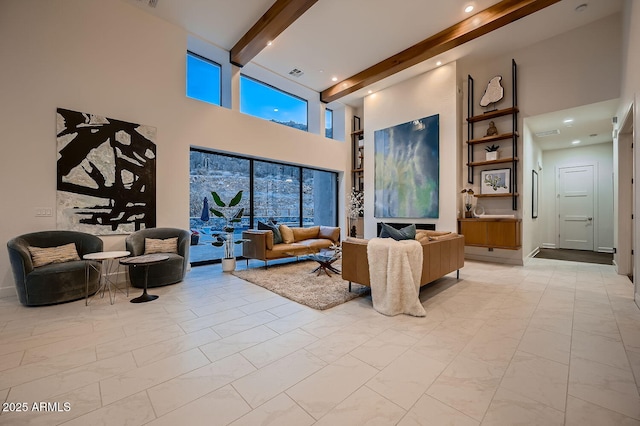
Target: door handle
x,y
589,218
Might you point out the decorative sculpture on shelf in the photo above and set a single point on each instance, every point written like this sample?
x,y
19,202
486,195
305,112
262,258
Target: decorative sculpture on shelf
x,y
492,130
493,93
467,200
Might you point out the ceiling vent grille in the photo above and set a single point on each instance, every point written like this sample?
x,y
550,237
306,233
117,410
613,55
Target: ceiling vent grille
x,y
296,72
547,133
151,3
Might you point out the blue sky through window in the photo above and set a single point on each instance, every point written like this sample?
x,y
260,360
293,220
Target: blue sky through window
x,y
269,103
203,79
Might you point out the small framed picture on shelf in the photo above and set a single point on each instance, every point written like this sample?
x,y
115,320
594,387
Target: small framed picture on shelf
x,y
495,181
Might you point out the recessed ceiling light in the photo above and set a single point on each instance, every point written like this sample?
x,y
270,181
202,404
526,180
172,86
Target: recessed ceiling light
x,y
269,43
370,92
568,120
582,7
576,142
468,9
334,78
439,63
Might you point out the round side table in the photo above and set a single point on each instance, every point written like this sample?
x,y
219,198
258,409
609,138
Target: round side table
x,y
106,283
144,261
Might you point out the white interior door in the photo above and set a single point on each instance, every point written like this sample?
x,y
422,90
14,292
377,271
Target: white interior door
x,y
575,206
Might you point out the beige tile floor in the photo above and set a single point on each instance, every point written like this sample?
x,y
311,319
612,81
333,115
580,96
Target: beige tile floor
x,y
550,343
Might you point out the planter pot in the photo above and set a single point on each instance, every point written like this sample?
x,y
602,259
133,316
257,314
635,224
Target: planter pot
x,y
492,155
195,239
228,265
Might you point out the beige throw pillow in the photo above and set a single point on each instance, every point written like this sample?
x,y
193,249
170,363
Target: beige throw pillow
x,y
301,234
287,234
169,245
329,232
41,256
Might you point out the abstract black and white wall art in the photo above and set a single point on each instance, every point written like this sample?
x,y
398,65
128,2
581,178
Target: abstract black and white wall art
x,y
106,174
407,170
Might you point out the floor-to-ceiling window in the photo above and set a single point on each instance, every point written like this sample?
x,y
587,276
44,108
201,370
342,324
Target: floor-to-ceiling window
x,y
287,194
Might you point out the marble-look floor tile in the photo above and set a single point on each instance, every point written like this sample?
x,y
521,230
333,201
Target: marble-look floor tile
x,y
547,344
384,348
219,407
491,348
125,384
553,320
278,347
363,407
595,347
190,386
134,410
583,413
603,385
510,408
537,378
431,412
229,328
281,410
181,343
262,385
233,344
407,378
323,390
336,345
467,385
120,346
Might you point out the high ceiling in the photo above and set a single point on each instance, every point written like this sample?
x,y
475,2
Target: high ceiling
x,y
339,38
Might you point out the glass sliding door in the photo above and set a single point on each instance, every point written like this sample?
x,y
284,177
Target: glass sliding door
x,y
286,194
225,175
319,198
276,193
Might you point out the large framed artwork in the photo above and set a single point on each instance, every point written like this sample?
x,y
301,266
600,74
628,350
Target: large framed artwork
x,y
106,174
407,169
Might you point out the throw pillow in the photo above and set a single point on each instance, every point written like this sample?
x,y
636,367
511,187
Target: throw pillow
x,y
270,226
287,234
406,233
169,245
41,256
329,232
301,234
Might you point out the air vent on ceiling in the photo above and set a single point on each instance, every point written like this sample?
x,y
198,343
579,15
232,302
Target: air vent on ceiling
x,y
151,3
547,133
296,72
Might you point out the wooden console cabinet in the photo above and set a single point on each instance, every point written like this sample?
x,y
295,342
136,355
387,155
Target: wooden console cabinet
x,y
503,233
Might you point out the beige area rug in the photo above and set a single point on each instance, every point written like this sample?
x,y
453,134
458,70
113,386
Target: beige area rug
x,y
296,282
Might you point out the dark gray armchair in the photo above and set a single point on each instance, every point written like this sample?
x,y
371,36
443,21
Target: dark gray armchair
x,y
165,273
56,282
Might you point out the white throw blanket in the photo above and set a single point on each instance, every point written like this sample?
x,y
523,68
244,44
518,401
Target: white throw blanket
x,y
395,268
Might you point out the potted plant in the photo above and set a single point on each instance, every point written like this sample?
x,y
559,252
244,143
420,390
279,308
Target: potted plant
x,y
355,209
195,237
492,152
231,215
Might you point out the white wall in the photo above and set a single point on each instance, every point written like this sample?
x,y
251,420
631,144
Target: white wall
x,y
112,59
532,160
602,156
576,68
431,93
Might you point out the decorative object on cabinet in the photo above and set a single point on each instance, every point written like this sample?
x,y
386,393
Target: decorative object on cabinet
x,y
467,201
406,173
493,93
472,164
534,194
495,182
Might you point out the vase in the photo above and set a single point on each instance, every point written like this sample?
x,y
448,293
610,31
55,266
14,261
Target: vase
x,y
228,265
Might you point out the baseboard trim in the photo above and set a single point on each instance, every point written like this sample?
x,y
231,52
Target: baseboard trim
x,y
534,252
549,245
7,292
605,249
491,259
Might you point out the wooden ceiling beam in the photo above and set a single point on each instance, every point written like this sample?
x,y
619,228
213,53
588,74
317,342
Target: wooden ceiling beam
x,y
490,19
280,15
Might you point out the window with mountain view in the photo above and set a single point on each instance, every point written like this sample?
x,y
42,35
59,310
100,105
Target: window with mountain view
x,y
267,102
203,79
328,123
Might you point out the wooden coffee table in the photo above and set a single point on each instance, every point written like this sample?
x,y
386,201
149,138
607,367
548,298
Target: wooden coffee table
x,y
145,261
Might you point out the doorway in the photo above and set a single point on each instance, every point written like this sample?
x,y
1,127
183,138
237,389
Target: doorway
x,y
576,207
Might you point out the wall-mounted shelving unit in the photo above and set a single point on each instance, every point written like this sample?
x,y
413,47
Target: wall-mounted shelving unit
x,y
472,119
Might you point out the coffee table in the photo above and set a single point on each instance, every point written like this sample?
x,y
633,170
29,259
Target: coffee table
x,y
145,261
326,259
107,268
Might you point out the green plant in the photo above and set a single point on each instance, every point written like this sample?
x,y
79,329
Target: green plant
x,y
232,214
492,148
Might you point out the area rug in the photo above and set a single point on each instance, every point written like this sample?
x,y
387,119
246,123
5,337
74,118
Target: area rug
x,y
576,256
296,282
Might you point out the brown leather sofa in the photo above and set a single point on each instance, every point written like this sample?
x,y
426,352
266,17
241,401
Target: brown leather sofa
x,y
259,244
442,253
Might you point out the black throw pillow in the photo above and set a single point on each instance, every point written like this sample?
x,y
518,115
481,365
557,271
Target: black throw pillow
x,y
270,226
406,233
